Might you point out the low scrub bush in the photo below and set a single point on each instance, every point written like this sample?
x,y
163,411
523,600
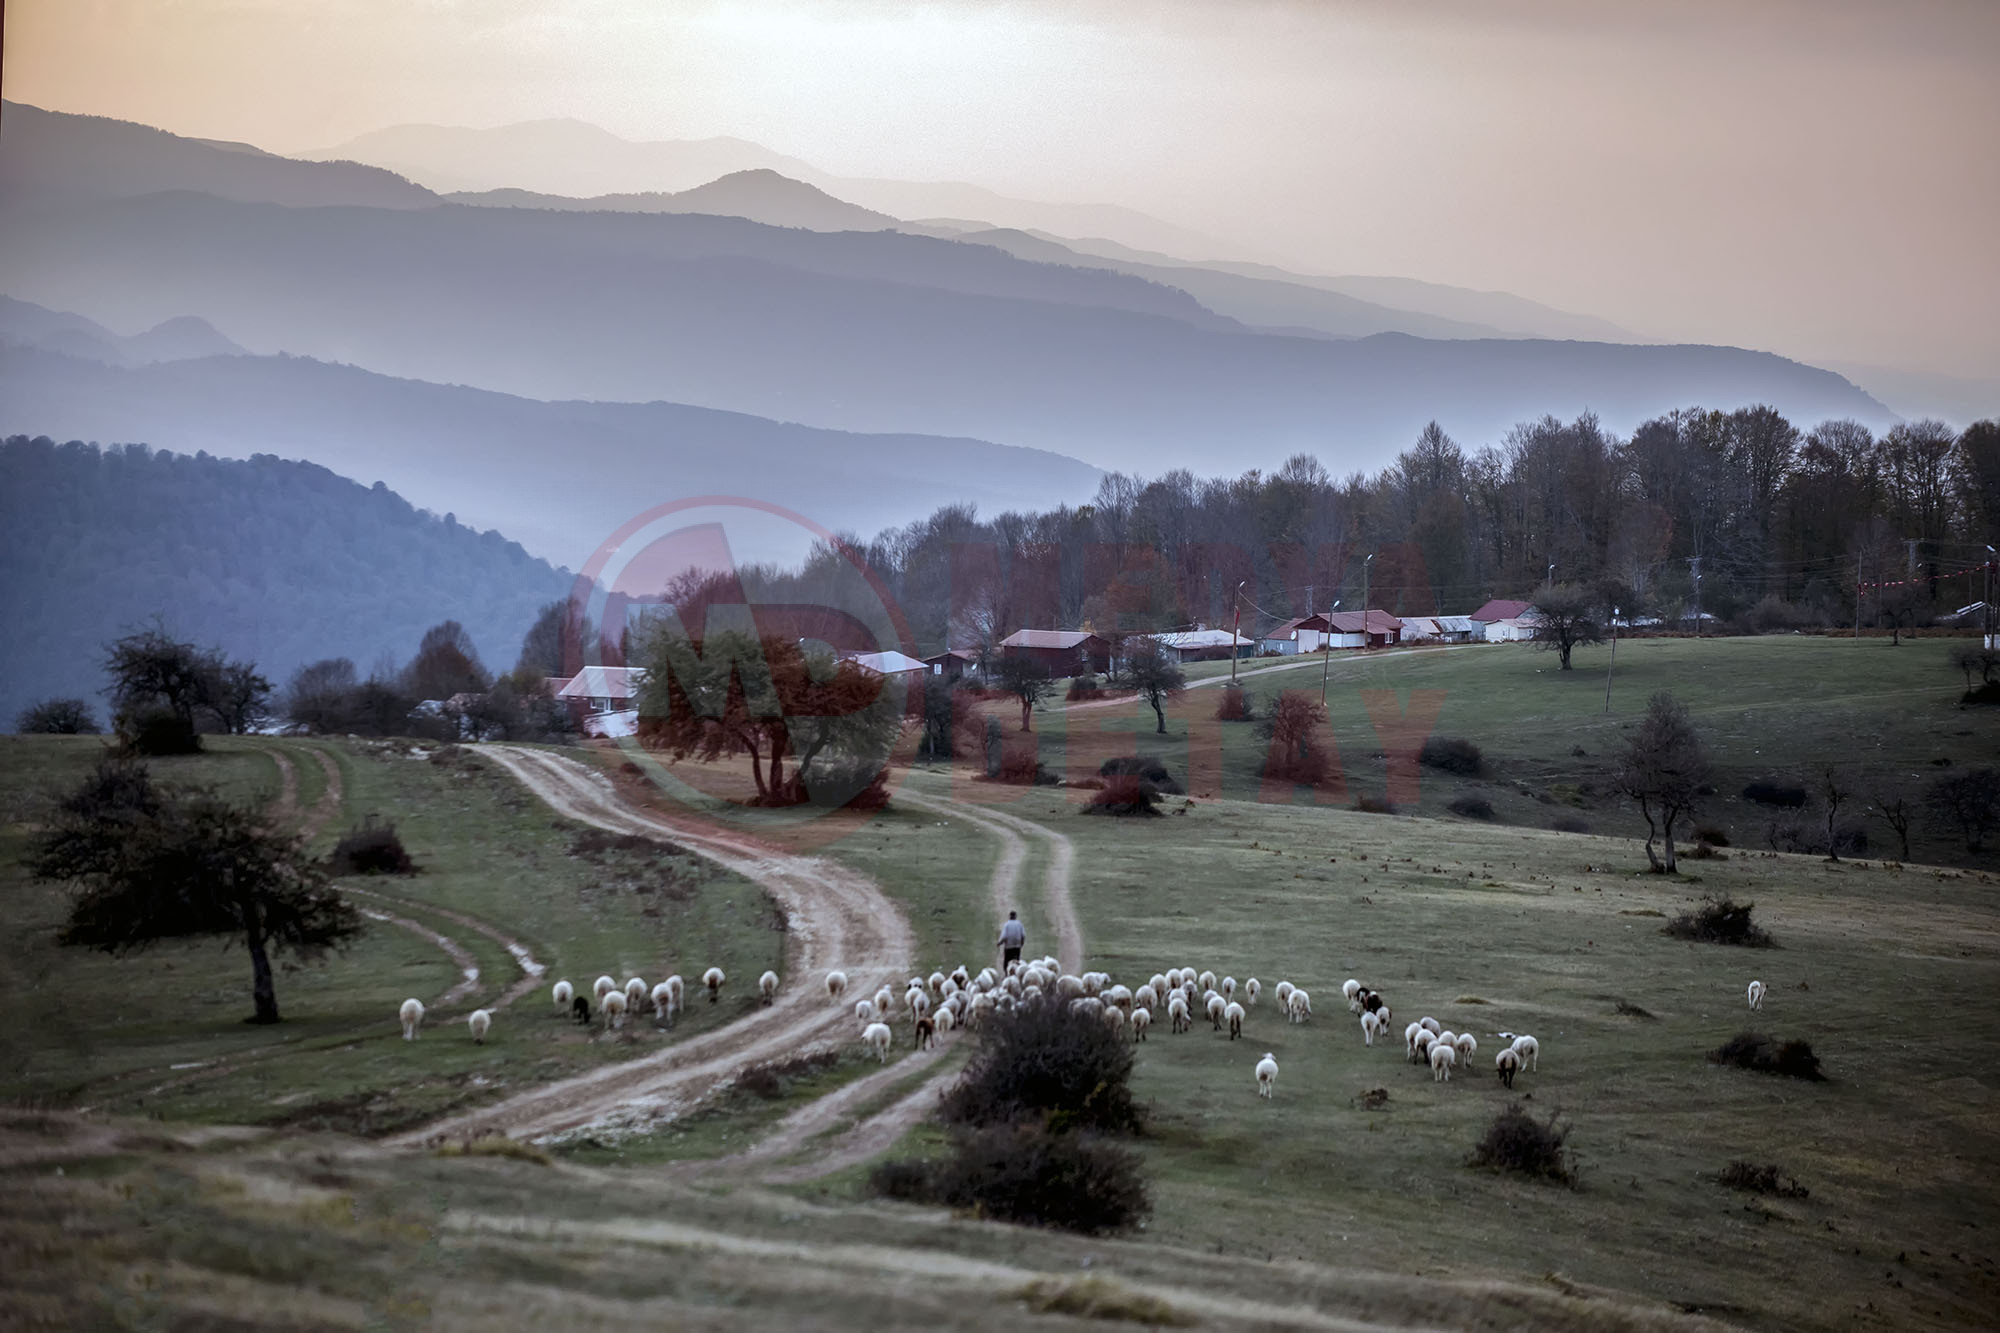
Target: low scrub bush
x,y
1720,921
1472,807
1374,805
1783,795
1711,835
1519,1143
1046,1062
1451,754
1765,1179
1028,1174
160,733
371,849
773,1078
1235,705
1100,1297
1765,1055
1084,687
1150,771
56,717
1124,796
1569,824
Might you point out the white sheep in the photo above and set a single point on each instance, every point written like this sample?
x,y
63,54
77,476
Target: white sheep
x,y
1251,990
1229,988
1530,1050
1142,1018
836,982
1349,989
960,975
917,1003
1158,981
1233,1015
614,1009
1443,1056
412,1014
1177,1013
1383,1015
1301,1005
1120,996
676,992
1425,1039
1410,1039
1756,995
864,1012
600,988
1430,1025
1284,994
1371,1026
713,979
1507,1064
1267,1074
1206,981
935,982
947,1019
1468,1046
564,993
1146,997
1214,1006
635,994
876,1037
885,1000
1448,1038
479,1020
1173,978
767,986
663,1000
1114,1018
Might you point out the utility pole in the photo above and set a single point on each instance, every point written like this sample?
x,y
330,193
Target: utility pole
x,y
1910,543
1614,659
1694,564
1986,612
1857,594
1236,634
1326,650
1364,602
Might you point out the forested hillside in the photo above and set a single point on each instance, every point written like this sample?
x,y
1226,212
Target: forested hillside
x,y
279,562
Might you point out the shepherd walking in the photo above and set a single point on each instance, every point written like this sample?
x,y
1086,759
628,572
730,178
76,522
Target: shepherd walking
x,y
1012,936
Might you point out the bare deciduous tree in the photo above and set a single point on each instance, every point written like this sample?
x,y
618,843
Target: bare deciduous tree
x,y
1664,769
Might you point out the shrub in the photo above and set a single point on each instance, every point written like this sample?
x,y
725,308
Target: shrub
x,y
1029,1174
1783,795
160,732
1711,835
1292,728
1048,1062
1099,1297
56,717
1754,1050
1766,1179
1235,705
1472,807
1124,795
1720,921
371,849
1374,805
1452,755
1085,687
773,1078
1569,824
1150,771
1775,615
1518,1142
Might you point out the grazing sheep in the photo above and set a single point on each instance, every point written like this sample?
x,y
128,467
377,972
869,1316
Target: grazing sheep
x,y
713,979
676,991
1448,1038
1142,1018
876,1037
1507,1064
864,1012
1756,995
1158,981
1206,981
1301,1006
1120,996
947,1019
1442,1059
1178,1015
663,1001
1430,1025
1425,1039
579,1009
1229,988
1267,1074
564,993
1374,1003
1284,994
1371,1026
1146,997
935,981
1383,1015
1530,1050
1114,1018
836,982
635,994
1233,1015
885,1000
613,1009
1214,1006
412,1014
1410,1039
926,1032
1358,1001
917,1002
1468,1046
1173,978
767,986
1349,989
1251,990
600,988
479,1020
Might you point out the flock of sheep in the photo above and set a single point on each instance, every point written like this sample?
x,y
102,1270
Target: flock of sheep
x,y
942,1001
613,1002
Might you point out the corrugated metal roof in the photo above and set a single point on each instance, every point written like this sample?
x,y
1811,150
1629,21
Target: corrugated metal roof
x,y
1456,624
1047,638
890,663
604,682
1202,638
1502,608
1379,622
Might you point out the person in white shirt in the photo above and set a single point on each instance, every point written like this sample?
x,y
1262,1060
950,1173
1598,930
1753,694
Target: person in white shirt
x,y
1012,936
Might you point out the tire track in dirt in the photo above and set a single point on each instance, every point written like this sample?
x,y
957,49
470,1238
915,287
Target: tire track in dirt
x,y
838,918
1012,829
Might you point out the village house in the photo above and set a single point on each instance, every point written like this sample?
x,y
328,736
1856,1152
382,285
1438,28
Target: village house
x,y
1372,629
1060,652
1203,645
1301,634
953,662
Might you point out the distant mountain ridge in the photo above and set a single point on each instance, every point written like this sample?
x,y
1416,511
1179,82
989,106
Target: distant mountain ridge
x,y
760,194
276,561
25,324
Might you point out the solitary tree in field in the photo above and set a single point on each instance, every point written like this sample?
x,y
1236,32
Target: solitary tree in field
x,y
1898,811
1835,790
1664,769
1565,616
239,697
1155,675
1292,728
151,865
158,686
56,717
1026,679
1968,802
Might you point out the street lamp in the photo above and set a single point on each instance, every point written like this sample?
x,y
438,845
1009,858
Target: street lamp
x,y
1326,650
1614,659
1364,602
1235,634
1550,577
1986,612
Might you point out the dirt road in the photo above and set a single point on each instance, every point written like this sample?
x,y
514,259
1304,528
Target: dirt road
x,y
838,918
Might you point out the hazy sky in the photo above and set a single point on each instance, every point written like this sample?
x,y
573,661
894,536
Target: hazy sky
x,y
1815,177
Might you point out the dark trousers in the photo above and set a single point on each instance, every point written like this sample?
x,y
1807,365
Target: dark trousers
x,y
1010,954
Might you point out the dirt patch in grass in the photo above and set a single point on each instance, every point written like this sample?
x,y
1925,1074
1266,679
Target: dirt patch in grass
x,y
496,1145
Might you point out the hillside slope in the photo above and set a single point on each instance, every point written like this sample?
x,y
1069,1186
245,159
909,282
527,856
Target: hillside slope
x,y
281,562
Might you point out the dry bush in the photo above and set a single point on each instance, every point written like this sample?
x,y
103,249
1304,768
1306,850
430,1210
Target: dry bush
x,y
371,849
1472,807
1045,1061
1765,1055
1766,1179
1720,921
1100,1297
1028,1174
1784,795
1124,796
1234,705
1451,754
1518,1142
773,1078
1148,770
1374,805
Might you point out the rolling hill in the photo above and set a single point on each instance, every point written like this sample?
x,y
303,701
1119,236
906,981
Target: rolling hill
x,y
760,195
